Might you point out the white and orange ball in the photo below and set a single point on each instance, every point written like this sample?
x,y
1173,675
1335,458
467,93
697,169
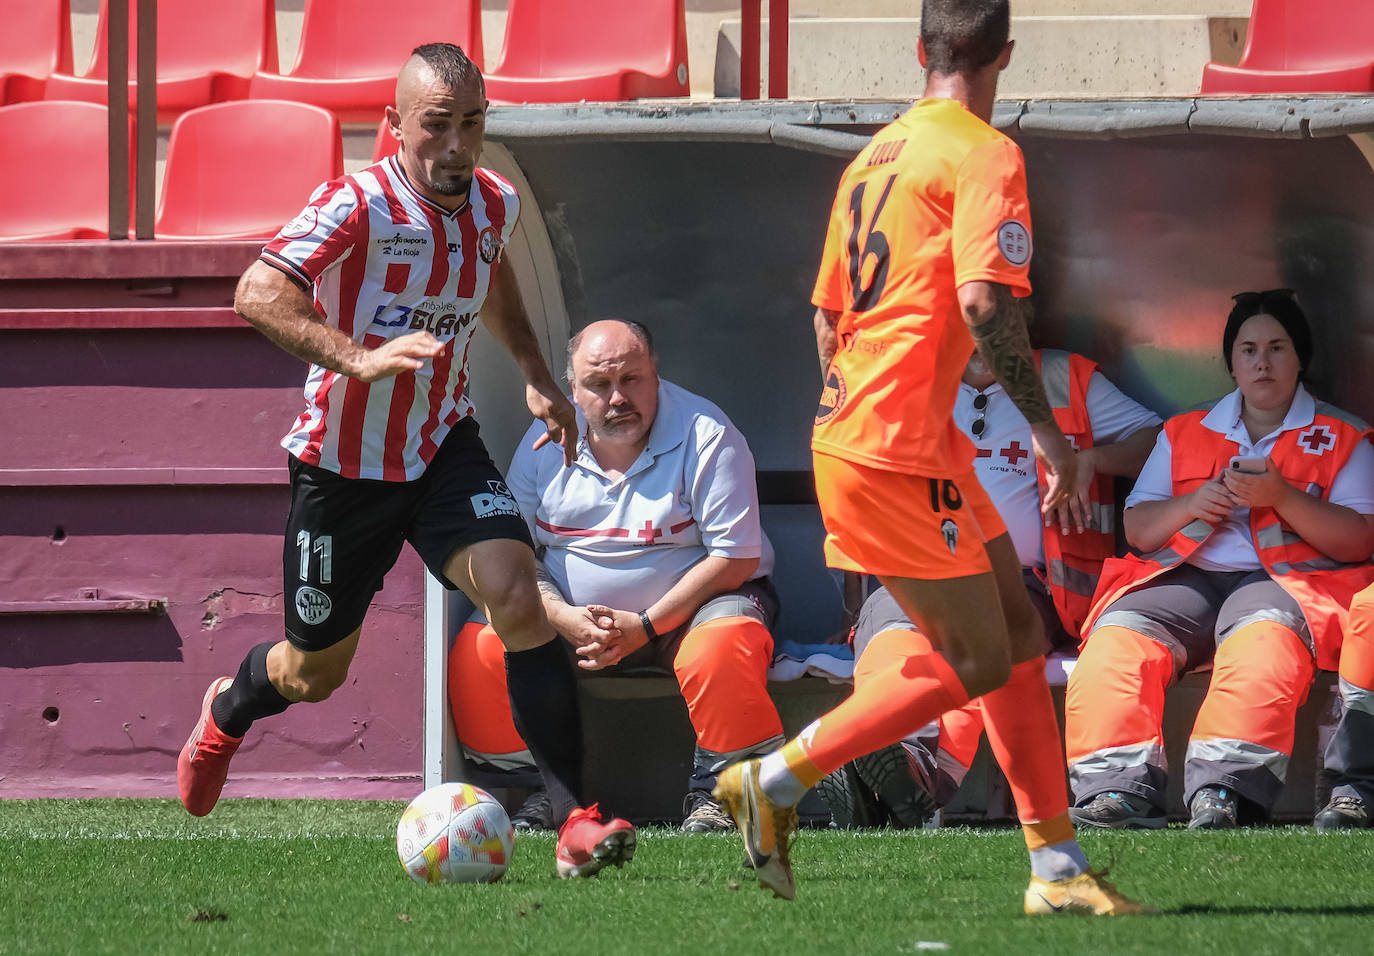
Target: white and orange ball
x,y
455,833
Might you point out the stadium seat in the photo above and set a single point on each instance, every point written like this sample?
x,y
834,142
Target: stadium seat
x,y
596,50
351,51
205,52
35,43
242,169
55,156
1301,46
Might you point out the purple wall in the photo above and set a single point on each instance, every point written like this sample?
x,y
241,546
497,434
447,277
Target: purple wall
x,y
139,421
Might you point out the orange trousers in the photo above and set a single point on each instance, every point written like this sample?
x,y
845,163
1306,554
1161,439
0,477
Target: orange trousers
x,y
1243,735
1350,753
721,667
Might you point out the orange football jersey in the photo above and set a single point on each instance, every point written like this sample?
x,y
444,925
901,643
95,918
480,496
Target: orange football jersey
x,y
937,199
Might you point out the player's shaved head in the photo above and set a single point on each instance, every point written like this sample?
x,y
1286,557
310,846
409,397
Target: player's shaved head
x,y
961,36
431,62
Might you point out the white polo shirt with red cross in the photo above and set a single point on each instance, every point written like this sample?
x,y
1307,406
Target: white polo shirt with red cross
x,y
381,260
625,541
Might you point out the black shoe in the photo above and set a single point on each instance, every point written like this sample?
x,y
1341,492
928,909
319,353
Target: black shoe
x,y
704,815
536,813
1344,812
853,806
888,773
1213,808
1114,810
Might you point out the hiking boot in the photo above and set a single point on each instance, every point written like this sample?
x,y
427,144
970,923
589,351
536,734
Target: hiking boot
x,y
1213,808
766,827
204,761
888,774
704,815
586,843
1344,812
1087,892
1118,811
536,813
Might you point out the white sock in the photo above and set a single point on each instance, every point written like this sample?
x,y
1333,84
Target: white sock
x,y
778,781
1062,861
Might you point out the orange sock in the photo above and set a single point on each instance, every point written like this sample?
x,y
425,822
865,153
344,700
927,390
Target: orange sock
x,y
1024,734
900,685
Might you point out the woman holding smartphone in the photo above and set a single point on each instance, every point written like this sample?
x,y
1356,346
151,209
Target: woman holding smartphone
x,y
1254,523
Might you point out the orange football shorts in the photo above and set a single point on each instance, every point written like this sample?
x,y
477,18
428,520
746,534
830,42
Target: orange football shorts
x,y
896,524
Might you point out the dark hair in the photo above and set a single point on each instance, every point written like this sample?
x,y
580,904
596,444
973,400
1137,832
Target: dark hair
x,y
1282,304
638,329
963,35
450,64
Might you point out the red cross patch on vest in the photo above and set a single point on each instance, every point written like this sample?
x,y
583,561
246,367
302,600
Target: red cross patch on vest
x,y
1316,440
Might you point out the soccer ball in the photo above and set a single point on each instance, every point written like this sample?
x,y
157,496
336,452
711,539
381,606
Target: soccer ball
x,y
455,833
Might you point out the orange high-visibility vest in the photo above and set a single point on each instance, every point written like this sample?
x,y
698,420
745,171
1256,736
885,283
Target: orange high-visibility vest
x,y
1308,458
1073,562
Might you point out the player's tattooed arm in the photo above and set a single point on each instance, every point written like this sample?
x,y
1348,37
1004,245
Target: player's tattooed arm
x,y
827,340
997,323
998,328
281,310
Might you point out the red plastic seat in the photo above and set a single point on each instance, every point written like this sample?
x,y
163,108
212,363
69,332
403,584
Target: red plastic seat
x,y
596,50
36,42
1301,46
351,51
54,158
205,52
242,169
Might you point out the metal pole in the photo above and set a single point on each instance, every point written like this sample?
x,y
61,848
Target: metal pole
x,y
777,49
117,88
145,153
751,15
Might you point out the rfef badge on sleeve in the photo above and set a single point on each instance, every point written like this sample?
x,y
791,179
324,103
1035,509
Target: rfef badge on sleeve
x,y
1014,242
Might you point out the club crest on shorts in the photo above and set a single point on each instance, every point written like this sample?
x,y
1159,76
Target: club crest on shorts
x,y
832,396
489,244
312,604
951,532
498,501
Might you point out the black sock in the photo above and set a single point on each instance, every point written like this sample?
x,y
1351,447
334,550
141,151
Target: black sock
x,y
543,700
250,696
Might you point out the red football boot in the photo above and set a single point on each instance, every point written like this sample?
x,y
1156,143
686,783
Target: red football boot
x,y
204,761
586,844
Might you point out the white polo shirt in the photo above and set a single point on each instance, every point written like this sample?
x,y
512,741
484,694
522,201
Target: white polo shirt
x,y
625,541
1230,547
1006,465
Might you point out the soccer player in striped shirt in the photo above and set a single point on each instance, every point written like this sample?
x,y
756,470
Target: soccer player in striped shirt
x,y
378,284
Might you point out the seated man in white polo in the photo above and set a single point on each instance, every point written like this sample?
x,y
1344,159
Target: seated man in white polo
x,y
651,553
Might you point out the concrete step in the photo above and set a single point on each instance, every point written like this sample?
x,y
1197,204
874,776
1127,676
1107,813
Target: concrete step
x,y
1099,56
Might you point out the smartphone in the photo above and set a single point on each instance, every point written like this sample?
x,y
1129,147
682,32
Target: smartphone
x,y
1249,466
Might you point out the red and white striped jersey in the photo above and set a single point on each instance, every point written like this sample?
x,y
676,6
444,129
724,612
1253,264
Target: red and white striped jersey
x,y
381,261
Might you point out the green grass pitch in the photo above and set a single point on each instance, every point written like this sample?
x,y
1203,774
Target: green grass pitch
x,y
262,876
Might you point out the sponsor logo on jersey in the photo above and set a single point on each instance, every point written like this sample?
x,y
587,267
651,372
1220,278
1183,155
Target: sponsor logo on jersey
x,y
402,246
312,604
303,225
832,397
951,532
489,244
1014,242
499,501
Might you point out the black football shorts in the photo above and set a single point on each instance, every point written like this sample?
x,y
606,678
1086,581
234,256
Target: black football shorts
x,y
344,534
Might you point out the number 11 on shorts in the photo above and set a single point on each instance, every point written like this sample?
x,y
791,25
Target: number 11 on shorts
x,y
324,547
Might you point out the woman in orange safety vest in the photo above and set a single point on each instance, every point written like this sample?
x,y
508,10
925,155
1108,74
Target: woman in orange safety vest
x,y
1253,522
